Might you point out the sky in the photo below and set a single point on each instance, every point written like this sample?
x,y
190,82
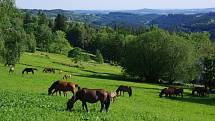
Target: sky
x,y
114,4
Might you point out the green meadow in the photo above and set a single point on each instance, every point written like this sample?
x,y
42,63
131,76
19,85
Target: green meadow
x,y
25,98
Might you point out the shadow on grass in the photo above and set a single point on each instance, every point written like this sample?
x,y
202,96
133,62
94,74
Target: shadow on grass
x,y
195,99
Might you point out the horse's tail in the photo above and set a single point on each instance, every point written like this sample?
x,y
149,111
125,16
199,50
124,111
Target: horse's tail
x,y
107,103
52,87
130,91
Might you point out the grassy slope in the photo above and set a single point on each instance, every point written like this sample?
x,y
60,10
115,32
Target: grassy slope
x,y
25,97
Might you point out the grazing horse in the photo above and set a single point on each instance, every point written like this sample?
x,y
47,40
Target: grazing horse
x,y
171,91
124,89
63,86
201,91
113,96
29,70
49,70
91,96
67,76
178,91
11,68
167,92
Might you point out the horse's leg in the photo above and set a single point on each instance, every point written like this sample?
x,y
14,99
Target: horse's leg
x,y
107,103
86,106
102,106
32,72
123,93
59,92
83,104
54,91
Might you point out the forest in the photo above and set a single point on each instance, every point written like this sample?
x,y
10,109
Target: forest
x,y
180,56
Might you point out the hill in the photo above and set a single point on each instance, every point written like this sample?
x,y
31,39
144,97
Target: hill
x,y
25,97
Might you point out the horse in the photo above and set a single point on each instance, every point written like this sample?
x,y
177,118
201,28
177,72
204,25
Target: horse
x,y
201,91
178,91
124,89
63,86
113,95
49,70
11,68
91,96
29,70
67,76
171,91
167,92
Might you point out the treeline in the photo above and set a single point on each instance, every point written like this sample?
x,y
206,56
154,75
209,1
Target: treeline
x,y
148,54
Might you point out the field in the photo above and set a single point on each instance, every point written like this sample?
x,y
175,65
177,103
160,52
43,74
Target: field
x,y
25,97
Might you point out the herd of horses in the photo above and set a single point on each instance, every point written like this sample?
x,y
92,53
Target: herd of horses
x,y
86,95
176,91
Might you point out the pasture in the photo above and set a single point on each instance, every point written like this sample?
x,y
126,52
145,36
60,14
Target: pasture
x,y
25,97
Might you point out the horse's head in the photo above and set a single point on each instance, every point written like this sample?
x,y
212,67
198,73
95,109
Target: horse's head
x,y
49,91
162,92
70,103
129,91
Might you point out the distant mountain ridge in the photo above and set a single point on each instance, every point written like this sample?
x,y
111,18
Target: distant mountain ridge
x,y
185,20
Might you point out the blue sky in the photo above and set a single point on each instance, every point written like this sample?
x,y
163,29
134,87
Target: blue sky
x,y
114,4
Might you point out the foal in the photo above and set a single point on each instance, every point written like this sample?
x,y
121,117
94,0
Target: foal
x,y
113,96
91,96
67,76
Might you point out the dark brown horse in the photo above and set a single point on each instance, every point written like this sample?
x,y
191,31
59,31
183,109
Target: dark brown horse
x,y
63,86
29,70
91,96
123,89
201,91
171,91
178,91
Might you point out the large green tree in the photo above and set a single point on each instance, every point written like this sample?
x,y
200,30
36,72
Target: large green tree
x,y
13,37
60,44
159,55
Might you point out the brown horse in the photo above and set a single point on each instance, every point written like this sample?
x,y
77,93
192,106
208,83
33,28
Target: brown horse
x,y
29,70
201,91
91,96
124,89
171,91
178,91
63,86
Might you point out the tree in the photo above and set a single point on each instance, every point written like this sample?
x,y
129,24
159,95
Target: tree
x,y
60,44
158,55
208,73
60,23
99,57
43,37
13,37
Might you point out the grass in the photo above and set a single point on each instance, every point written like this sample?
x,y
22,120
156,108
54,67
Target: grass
x,y
25,97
